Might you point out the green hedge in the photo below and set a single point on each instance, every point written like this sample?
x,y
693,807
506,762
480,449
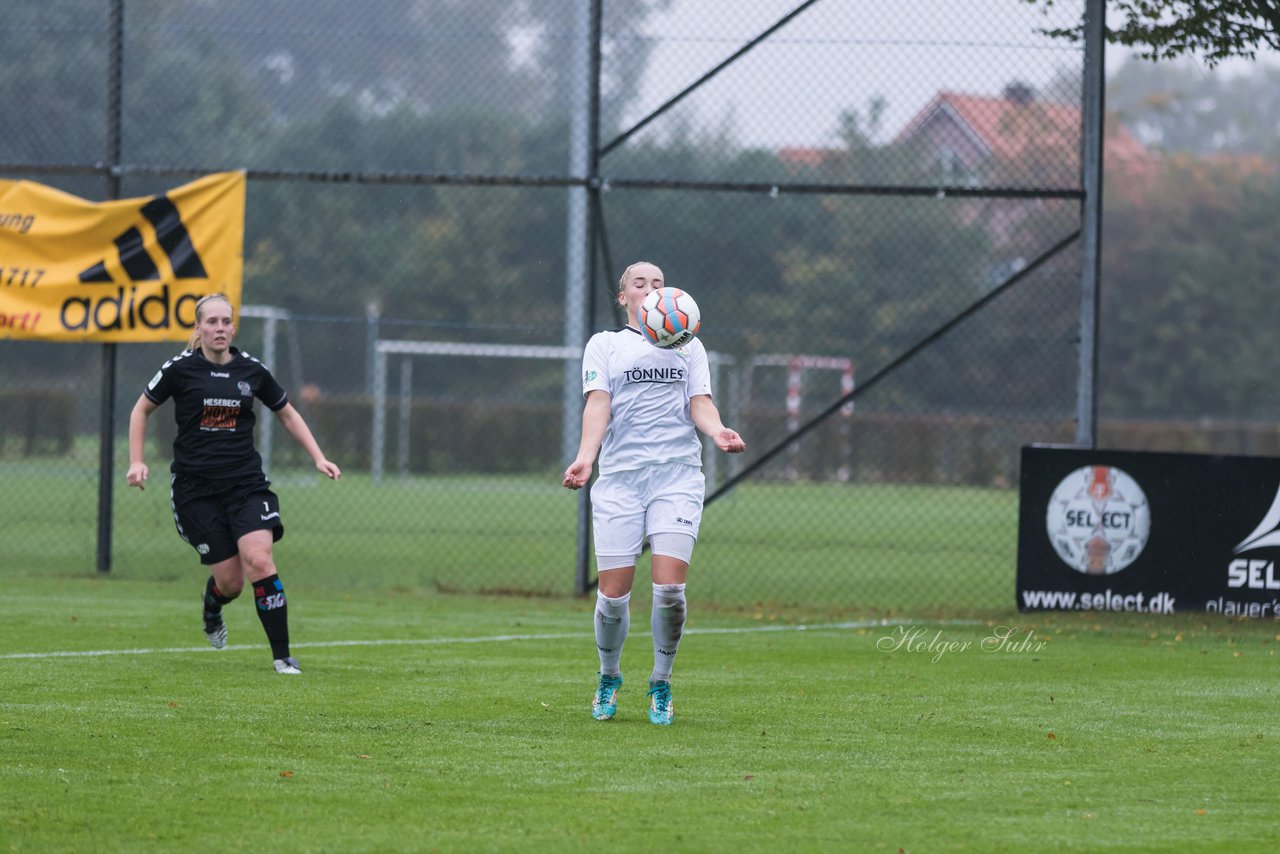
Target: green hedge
x,y
445,437
37,422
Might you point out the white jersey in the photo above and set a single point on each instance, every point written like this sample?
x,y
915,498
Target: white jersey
x,y
651,389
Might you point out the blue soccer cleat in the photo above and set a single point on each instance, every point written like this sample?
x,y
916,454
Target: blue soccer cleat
x,y
661,707
605,704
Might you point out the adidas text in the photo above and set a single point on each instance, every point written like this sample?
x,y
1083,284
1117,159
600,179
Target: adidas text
x,y
114,311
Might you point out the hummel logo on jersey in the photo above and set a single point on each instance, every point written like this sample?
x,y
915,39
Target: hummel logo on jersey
x,y
122,309
222,374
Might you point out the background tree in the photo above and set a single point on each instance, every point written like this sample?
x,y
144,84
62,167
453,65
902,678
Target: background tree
x,y
1188,292
1182,107
51,57
1165,29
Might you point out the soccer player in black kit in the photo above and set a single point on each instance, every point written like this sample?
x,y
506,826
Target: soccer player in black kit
x,y
222,503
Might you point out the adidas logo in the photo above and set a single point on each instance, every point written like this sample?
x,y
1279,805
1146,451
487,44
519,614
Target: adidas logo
x,y
173,238
121,309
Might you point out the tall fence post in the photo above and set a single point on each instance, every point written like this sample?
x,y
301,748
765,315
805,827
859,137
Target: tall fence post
x,y
107,422
583,163
1091,221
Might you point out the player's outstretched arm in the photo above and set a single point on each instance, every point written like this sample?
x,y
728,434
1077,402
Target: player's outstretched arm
x,y
706,417
292,421
596,414
138,472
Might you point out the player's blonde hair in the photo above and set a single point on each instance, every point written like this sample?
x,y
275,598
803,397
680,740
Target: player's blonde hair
x,y
622,280
194,341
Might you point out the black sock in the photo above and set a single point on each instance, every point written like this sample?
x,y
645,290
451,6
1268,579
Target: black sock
x,y
213,598
268,596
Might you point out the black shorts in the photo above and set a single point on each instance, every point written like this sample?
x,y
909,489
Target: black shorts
x,y
212,515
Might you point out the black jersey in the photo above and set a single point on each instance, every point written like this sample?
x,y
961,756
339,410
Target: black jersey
x,y
213,406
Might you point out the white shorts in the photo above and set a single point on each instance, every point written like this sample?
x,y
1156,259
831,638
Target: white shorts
x,y
627,506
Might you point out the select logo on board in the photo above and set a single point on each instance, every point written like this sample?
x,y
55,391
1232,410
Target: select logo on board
x,y
1217,549
1098,520
1258,573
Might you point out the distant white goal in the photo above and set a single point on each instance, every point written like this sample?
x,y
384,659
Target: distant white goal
x,y
797,367
383,349
271,317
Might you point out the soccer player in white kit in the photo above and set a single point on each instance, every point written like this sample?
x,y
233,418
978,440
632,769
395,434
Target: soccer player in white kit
x,y
642,406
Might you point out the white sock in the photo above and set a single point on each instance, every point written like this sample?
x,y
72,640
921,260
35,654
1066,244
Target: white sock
x,y
613,620
669,610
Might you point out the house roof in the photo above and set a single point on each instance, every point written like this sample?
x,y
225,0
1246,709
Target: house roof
x,y
797,156
1005,128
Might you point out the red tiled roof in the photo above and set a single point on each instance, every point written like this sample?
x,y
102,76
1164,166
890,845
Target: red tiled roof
x,y
805,156
1005,128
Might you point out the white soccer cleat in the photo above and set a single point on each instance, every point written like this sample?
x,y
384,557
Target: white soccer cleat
x,y
288,665
218,637
215,630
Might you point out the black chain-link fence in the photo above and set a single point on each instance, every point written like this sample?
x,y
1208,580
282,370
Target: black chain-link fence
x,y
862,196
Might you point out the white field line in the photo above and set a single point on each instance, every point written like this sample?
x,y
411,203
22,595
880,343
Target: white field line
x,y
733,630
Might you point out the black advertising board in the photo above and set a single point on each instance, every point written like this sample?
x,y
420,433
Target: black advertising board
x,y
1152,532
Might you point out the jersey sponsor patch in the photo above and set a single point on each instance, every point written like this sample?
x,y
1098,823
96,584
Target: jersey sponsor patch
x,y
218,415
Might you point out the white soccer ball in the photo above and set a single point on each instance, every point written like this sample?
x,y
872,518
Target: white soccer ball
x,y
669,318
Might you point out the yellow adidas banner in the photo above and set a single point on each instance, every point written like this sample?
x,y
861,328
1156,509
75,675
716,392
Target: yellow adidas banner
x,y
126,270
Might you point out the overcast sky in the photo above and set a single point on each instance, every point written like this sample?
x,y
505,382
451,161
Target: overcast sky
x,y
839,54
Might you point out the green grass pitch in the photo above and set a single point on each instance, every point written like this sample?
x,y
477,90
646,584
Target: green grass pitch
x,y
429,719
814,547
428,722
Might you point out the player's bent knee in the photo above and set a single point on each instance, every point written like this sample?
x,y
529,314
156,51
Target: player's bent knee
x,y
228,575
258,563
230,588
615,581
258,570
